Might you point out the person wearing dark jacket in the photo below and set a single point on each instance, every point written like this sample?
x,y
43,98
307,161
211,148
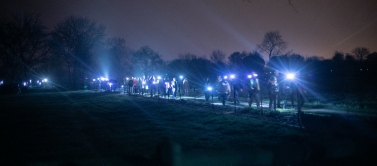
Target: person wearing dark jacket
x,y
223,90
273,90
207,89
254,90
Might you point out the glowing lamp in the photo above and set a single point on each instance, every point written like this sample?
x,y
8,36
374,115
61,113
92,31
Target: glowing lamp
x,y
249,76
232,76
290,76
209,88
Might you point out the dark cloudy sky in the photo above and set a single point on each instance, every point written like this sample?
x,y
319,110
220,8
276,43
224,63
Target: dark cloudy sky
x,y
173,27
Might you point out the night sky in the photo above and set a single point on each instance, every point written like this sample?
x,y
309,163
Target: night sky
x,y
173,27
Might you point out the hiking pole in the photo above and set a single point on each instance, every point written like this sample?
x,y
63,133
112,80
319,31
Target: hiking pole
x,y
234,98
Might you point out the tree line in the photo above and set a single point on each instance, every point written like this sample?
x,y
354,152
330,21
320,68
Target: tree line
x,y
76,50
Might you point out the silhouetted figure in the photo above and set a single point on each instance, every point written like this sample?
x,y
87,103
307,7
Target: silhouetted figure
x,y
273,90
207,91
223,90
253,87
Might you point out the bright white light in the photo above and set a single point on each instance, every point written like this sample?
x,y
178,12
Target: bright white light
x,y
209,88
146,87
225,77
159,77
94,80
291,76
255,75
104,79
180,77
45,80
232,76
248,76
122,86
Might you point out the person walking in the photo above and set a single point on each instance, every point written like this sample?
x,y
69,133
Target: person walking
x,y
186,87
131,86
300,92
207,89
166,88
273,90
152,85
174,87
288,94
254,90
279,79
237,88
223,90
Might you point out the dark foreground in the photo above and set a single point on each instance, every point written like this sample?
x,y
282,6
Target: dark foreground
x,y
85,128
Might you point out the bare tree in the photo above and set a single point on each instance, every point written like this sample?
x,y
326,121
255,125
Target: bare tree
x,y
23,46
235,60
73,41
187,56
146,61
360,53
217,56
273,44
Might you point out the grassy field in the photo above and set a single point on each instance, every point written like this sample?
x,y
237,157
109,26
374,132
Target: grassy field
x,y
92,128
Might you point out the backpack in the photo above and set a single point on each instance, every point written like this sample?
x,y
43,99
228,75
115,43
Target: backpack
x,y
223,86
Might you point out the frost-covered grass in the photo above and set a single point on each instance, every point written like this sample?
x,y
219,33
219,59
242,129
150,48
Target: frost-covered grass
x,y
92,128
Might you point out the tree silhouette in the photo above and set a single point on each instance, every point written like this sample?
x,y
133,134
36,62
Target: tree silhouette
x,y
219,60
360,53
73,41
117,57
272,44
235,61
146,61
23,46
217,56
253,62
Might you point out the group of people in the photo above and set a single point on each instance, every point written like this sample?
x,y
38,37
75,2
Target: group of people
x,y
282,88
278,89
251,85
157,86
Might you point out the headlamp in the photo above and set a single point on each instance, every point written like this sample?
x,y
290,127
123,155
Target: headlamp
x,y
290,76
